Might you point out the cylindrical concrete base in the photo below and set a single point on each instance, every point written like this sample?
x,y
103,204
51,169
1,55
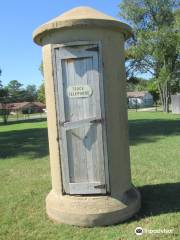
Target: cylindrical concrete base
x,y
92,210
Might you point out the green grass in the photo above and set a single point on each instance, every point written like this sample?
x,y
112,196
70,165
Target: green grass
x,y
25,181
21,116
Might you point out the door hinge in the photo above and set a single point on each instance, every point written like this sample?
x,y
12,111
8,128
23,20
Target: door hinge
x,y
101,186
61,123
93,49
99,120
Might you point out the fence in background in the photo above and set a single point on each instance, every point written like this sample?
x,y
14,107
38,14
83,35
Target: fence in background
x,y
23,117
135,104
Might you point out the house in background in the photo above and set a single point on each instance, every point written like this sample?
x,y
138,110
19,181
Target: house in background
x,y
24,107
2,106
139,99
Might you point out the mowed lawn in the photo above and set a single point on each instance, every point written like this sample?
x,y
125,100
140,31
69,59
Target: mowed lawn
x,y
25,181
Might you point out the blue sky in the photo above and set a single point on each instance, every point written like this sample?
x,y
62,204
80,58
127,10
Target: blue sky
x,y
19,56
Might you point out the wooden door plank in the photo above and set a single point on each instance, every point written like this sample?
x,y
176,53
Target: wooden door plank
x,y
84,141
103,112
61,117
87,188
79,123
77,160
72,53
100,168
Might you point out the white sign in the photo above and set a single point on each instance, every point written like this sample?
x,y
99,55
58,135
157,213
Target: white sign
x,y
79,91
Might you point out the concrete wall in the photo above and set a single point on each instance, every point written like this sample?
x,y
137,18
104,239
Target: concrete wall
x,y
175,103
115,104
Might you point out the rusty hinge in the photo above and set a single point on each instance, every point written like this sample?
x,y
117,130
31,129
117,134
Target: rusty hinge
x,y
100,120
100,186
61,123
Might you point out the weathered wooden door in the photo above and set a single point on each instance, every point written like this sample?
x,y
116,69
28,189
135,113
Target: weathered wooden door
x,y
79,94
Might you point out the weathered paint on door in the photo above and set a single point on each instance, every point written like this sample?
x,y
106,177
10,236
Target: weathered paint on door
x,y
81,119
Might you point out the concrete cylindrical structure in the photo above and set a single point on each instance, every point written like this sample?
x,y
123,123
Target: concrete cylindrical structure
x,y
175,103
78,38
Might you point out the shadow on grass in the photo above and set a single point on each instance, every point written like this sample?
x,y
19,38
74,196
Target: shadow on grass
x,y
32,143
159,199
151,130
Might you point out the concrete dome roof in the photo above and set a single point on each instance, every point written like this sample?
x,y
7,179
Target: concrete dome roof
x,y
81,16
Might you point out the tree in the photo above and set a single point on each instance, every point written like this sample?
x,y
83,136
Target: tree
x,y
0,79
153,89
136,84
30,93
41,69
4,99
155,46
41,93
16,92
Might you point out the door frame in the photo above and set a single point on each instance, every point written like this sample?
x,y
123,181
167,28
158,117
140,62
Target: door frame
x,y
102,104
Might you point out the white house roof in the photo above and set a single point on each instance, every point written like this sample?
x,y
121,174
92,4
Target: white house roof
x,y
137,94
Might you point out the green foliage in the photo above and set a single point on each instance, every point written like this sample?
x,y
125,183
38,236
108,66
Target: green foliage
x,y
41,68
4,93
142,85
152,88
132,83
138,84
16,92
155,46
130,87
30,93
19,94
4,97
41,93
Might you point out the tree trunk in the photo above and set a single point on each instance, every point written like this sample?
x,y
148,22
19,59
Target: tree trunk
x,y
4,118
164,96
5,113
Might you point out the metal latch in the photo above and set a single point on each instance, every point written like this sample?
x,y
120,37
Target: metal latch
x,y
100,120
100,186
61,123
79,123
